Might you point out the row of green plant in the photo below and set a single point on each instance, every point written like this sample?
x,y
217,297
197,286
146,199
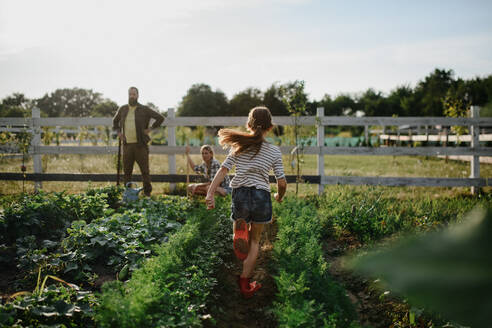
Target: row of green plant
x,y
176,287
108,243
371,213
52,305
113,241
307,294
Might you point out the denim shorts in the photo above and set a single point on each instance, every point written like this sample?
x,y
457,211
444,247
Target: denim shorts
x,y
251,204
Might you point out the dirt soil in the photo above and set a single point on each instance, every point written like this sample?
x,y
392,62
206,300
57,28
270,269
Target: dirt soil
x,y
232,309
375,307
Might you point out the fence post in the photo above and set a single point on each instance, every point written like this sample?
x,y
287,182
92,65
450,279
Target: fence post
x,y
171,142
35,143
366,135
475,143
320,112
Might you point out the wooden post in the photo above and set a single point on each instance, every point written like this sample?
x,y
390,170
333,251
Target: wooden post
x,y
475,143
410,137
446,142
171,141
320,112
35,143
366,134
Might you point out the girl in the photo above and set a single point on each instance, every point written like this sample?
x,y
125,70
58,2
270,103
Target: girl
x,y
209,168
251,202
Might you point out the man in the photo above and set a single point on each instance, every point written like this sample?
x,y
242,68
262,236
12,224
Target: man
x,y
132,124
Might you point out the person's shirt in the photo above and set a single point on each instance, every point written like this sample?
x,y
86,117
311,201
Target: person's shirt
x,y
214,167
254,171
130,128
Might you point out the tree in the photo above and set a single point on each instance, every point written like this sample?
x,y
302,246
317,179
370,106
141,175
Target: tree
x,y
432,91
344,104
373,103
295,100
241,103
16,105
200,100
107,108
73,102
396,99
273,100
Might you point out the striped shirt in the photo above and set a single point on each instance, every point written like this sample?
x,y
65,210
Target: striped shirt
x,y
214,167
253,172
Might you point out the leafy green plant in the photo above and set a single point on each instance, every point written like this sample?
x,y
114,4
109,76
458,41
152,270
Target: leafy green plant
x,y
47,305
307,295
175,287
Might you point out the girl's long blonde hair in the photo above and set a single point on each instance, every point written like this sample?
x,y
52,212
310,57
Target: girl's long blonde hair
x,y
259,121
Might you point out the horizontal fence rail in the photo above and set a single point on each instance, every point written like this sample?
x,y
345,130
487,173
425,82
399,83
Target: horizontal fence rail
x,y
35,124
313,179
240,121
308,150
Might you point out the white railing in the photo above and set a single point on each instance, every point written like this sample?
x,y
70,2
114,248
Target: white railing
x,y
35,123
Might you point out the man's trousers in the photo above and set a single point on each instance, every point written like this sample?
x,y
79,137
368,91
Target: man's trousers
x,y
137,153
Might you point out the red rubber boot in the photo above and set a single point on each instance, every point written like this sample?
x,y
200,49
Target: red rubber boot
x,y
247,288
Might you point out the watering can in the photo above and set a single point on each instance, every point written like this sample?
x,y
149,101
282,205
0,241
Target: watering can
x,y
131,194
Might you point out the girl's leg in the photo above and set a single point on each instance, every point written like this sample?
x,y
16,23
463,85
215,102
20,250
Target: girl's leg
x,y
254,248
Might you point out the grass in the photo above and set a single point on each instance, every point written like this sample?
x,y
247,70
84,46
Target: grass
x,y
405,166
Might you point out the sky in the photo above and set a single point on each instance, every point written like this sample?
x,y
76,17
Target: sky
x,y
164,47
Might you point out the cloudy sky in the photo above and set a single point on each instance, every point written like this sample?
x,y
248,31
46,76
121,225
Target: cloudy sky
x,y
163,47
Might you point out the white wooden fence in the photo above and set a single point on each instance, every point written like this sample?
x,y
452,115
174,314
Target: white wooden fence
x,y
35,123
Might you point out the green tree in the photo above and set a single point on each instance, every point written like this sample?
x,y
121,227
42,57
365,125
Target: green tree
x,y
373,103
295,100
75,102
200,100
396,100
432,90
242,102
344,104
107,108
16,105
272,99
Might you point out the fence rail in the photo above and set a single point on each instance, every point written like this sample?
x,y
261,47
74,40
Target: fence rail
x,y
35,123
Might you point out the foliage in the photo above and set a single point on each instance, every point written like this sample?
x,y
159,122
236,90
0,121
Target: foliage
x,y
307,295
455,106
16,105
47,215
53,305
242,102
295,99
448,271
106,108
173,288
120,239
369,213
75,102
200,100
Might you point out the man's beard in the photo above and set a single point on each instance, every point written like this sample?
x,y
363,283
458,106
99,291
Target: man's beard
x,y
132,102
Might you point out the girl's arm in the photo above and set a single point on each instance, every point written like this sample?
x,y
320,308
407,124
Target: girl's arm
x,y
219,177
